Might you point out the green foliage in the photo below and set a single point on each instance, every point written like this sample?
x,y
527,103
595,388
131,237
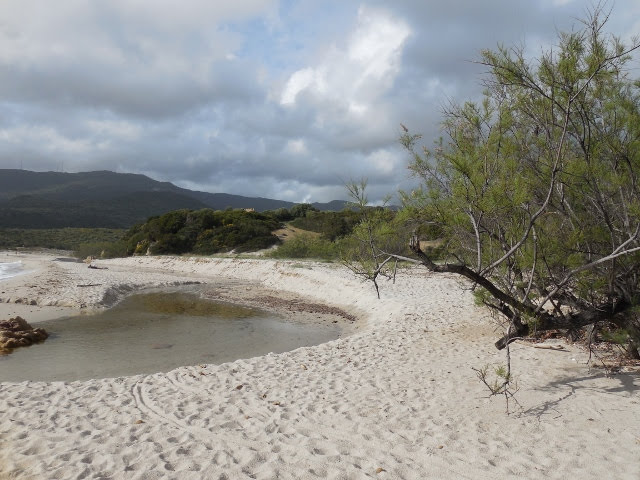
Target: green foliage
x,y
331,225
369,251
500,383
301,210
280,214
376,227
43,211
101,250
203,231
112,200
501,372
535,189
308,246
620,336
481,296
57,238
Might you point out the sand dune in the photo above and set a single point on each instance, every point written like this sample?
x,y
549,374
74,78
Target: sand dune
x,y
395,399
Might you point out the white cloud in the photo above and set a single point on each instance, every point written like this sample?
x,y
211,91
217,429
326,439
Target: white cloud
x,y
296,147
119,129
299,81
357,74
384,161
144,56
282,99
47,138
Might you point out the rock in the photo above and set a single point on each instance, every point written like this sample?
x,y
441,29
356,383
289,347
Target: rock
x,y
16,332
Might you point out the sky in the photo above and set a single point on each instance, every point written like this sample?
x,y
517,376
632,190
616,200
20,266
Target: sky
x,y
282,99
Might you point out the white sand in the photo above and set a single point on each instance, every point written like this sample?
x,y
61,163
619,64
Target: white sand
x,y
396,400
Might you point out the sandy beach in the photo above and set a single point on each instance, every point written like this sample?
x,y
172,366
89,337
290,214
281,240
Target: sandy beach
x,y
394,398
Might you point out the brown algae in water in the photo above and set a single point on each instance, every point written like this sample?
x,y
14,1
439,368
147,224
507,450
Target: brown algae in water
x,y
172,303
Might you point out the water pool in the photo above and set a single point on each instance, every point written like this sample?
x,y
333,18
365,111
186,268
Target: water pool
x,y
154,332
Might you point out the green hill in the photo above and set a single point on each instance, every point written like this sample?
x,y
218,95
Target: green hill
x,y
204,232
106,199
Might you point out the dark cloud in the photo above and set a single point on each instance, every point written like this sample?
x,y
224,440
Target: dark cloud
x,y
282,99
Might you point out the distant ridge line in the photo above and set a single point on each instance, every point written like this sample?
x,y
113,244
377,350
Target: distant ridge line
x,y
109,199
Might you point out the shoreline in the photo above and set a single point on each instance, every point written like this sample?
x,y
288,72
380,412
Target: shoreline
x,y
397,398
15,294
90,292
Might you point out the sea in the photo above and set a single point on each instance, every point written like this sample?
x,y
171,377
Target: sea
x,y
11,269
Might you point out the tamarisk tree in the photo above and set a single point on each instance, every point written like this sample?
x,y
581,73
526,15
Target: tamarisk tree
x,y
375,234
536,189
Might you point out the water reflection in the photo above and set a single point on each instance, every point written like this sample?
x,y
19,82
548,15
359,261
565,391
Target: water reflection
x,y
155,332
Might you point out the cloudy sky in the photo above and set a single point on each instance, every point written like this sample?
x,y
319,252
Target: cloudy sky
x,y
283,99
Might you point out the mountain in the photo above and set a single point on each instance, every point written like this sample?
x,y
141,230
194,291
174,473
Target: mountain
x,y
77,186
107,199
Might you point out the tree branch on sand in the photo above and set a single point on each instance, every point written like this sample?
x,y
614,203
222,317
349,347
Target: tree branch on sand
x,y
535,191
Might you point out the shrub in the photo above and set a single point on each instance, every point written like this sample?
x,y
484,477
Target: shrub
x,y
101,250
307,246
204,232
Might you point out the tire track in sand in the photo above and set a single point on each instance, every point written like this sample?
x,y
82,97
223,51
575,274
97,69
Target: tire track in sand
x,y
317,432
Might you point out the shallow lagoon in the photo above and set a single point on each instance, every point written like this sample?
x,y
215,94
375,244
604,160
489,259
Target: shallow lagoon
x,y
156,332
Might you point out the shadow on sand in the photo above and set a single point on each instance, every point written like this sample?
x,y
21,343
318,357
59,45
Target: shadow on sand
x,y
594,381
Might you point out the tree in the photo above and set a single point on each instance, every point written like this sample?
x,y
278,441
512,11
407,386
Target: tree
x,y
301,209
535,190
365,253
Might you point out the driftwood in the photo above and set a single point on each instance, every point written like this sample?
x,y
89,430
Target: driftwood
x,y
552,347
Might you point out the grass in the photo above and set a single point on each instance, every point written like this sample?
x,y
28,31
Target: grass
x,y
302,244
57,238
289,232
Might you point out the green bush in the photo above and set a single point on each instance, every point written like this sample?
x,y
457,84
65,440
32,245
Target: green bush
x,y
307,246
58,238
101,250
331,225
204,232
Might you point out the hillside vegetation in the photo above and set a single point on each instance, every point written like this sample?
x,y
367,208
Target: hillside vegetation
x,y
204,232
32,211
207,232
299,232
108,200
58,238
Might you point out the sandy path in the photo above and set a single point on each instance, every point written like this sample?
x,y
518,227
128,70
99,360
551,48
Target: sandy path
x,y
396,400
